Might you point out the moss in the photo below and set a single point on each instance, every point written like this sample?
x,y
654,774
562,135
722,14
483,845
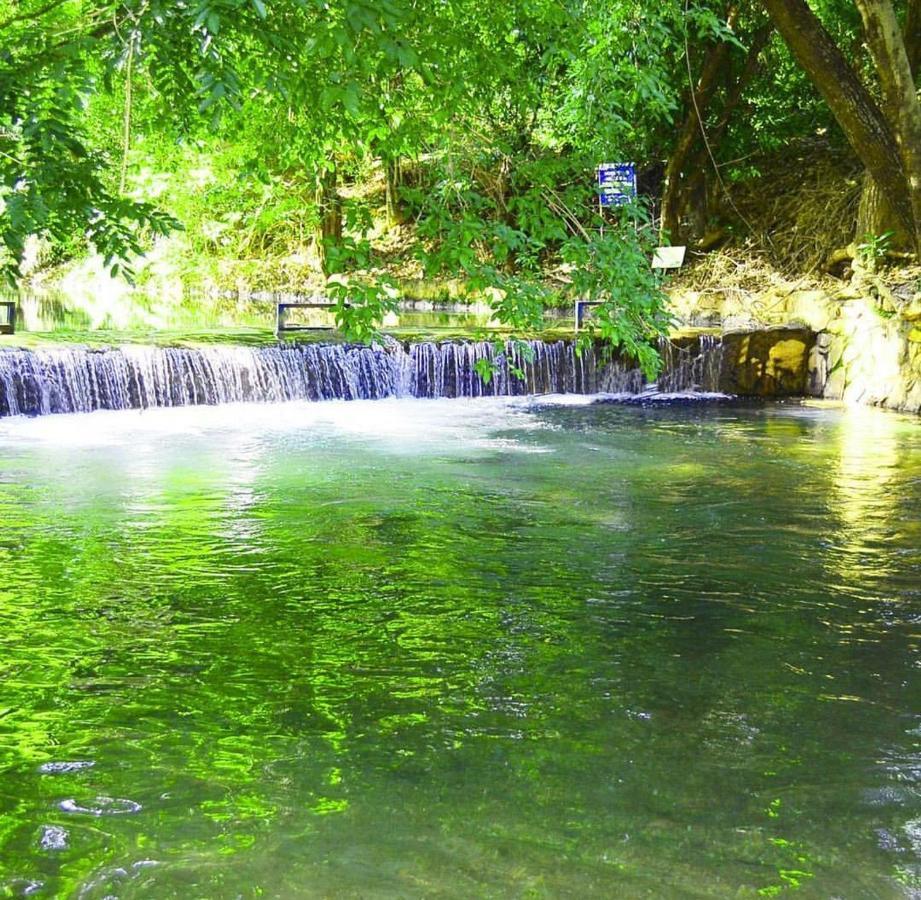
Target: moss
x,y
255,337
34,340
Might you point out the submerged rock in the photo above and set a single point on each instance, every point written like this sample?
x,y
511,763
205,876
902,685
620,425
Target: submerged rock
x,y
886,796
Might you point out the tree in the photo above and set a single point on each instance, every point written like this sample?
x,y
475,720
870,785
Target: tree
x,y
889,50
56,55
52,180
685,191
884,135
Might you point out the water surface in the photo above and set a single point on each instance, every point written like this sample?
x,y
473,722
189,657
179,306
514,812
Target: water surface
x,y
81,310
495,648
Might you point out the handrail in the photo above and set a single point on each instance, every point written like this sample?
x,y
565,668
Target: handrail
x,y
280,308
580,309
9,326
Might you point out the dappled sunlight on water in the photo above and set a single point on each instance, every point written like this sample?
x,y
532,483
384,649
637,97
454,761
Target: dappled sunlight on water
x,y
460,648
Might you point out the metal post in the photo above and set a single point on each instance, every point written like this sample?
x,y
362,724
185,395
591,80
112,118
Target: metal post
x,y
9,326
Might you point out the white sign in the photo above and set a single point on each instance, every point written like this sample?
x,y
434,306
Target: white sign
x,y
669,257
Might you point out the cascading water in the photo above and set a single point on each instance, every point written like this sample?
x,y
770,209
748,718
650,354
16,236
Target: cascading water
x,y
696,366
39,382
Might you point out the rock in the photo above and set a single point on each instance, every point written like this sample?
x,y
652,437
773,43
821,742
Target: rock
x,y
769,363
911,312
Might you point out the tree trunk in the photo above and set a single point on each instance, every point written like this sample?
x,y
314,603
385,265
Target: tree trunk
x,y
875,216
913,37
900,99
699,163
673,199
393,178
752,66
329,209
699,204
858,114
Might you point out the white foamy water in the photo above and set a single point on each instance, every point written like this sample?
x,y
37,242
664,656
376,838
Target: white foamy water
x,y
76,379
415,423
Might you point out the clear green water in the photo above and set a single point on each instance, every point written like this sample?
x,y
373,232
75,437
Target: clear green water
x,y
461,649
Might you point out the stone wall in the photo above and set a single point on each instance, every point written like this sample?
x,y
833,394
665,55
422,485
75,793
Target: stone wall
x,y
832,344
872,358
772,362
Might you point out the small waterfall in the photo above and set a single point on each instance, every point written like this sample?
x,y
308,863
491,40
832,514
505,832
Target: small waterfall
x,y
67,380
695,365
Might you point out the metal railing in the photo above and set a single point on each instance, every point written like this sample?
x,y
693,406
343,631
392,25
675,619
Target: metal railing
x,y
282,326
7,317
581,306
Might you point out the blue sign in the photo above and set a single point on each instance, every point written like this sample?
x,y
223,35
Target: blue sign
x,y
617,183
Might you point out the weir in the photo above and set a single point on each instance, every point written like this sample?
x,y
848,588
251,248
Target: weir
x,y
69,380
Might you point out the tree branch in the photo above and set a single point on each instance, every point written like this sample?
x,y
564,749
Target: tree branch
x,y
32,16
700,96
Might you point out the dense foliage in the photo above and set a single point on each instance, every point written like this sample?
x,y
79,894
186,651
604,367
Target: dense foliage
x,y
258,125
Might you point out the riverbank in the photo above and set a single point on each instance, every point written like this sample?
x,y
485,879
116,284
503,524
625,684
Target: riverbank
x,y
868,329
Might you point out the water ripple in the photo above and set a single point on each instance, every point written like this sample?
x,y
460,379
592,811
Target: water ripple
x,y
102,806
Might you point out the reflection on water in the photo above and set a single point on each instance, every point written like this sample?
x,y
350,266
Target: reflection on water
x,y
123,309
449,648
120,308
